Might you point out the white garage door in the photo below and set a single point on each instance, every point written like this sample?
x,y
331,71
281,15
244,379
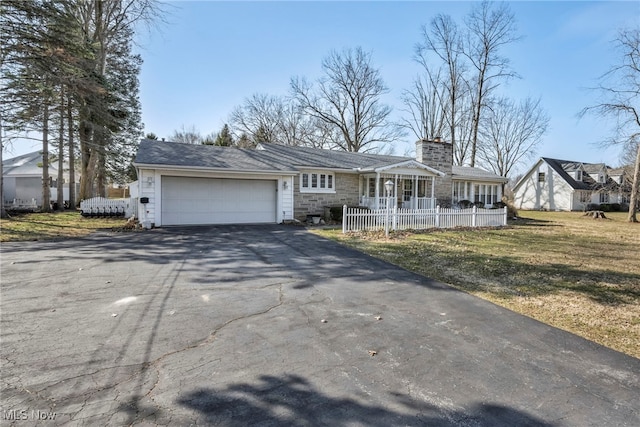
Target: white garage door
x,y
187,201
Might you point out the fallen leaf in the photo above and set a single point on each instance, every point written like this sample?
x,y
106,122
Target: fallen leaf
x,y
114,314
372,353
378,317
323,321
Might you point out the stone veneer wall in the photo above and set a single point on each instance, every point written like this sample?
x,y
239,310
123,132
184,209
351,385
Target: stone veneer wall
x,y
438,155
347,193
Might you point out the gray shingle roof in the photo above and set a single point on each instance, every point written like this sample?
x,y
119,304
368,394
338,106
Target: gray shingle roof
x,y
26,164
467,172
319,158
562,167
164,153
275,158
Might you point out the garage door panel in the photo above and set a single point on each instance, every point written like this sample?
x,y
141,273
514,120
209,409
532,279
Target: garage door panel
x,y
217,201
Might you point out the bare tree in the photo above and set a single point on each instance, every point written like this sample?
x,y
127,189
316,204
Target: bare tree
x,y
424,105
258,117
347,99
442,43
185,135
277,119
490,26
510,134
620,99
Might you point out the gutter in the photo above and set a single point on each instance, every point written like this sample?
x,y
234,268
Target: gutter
x,y
207,169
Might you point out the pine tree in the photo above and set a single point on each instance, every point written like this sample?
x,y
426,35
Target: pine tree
x,y
224,138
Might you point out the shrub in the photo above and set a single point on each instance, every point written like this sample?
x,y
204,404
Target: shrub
x,y
615,207
336,213
464,204
605,207
499,205
512,212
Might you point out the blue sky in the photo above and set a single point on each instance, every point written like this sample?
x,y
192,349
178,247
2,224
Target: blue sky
x,y
212,55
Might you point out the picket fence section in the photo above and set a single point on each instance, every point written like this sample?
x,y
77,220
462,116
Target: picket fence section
x,y
100,206
362,219
21,204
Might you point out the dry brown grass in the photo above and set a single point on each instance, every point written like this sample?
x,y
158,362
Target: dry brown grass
x,y
56,225
562,268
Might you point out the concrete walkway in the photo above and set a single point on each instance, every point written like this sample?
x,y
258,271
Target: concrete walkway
x,y
272,326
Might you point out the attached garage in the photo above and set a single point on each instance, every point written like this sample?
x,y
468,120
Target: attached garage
x,y
196,201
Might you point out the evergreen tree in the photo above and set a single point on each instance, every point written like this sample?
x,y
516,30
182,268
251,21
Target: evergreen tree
x,y
224,138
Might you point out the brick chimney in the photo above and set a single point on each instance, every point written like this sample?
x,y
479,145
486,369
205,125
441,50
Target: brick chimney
x,y
438,154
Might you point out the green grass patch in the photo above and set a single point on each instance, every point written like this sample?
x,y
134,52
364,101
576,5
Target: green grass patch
x,y
571,271
56,225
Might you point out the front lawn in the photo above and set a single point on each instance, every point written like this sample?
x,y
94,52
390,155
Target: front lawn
x,y
562,268
45,226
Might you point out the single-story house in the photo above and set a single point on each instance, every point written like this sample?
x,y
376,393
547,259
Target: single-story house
x,y
563,185
201,184
22,180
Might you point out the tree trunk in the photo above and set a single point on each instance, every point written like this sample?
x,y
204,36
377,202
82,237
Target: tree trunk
x,y
3,212
635,188
60,186
101,187
85,133
46,190
475,122
87,186
72,155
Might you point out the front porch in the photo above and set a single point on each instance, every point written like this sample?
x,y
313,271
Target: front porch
x,y
416,191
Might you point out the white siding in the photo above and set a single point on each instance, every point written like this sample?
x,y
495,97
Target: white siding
x,y
150,185
552,194
286,191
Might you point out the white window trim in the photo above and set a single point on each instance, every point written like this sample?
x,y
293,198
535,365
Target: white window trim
x,y
318,189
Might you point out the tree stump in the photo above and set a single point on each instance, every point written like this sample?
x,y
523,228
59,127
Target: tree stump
x,y
595,214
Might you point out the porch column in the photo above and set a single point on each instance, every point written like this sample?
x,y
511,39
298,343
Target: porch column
x,y
377,201
433,190
414,193
396,191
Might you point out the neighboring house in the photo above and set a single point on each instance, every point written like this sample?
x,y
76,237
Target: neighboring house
x,y
561,185
201,184
22,180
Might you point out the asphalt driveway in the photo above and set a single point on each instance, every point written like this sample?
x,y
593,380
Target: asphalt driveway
x,y
270,326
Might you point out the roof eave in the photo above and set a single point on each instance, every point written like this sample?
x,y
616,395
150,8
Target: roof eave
x,y
413,163
210,169
481,178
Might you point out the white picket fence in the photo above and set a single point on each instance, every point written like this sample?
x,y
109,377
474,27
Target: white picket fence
x,y
361,219
100,206
21,204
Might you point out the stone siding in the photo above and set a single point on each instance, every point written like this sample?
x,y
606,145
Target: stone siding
x,y
438,155
347,193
